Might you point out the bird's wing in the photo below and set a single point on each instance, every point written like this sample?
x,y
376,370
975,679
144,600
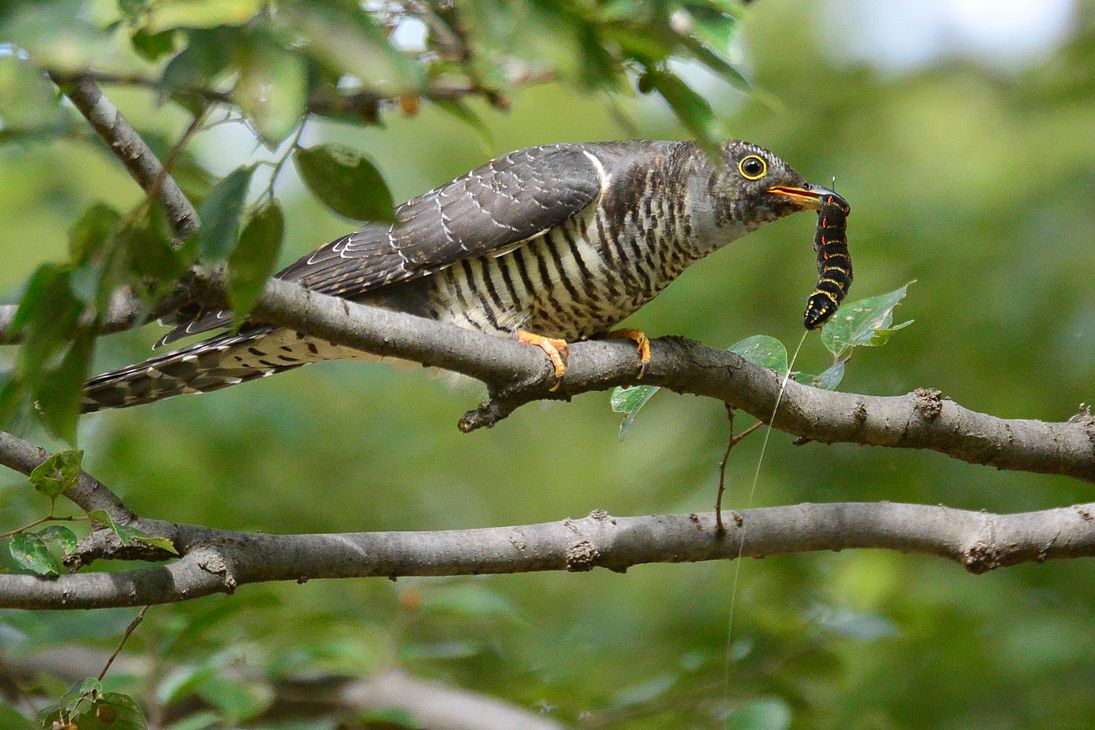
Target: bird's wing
x,y
507,201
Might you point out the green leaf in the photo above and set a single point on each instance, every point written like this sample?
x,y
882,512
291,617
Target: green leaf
x,y
200,13
153,541
92,233
60,537
346,182
148,251
128,534
205,57
863,323
116,711
30,552
762,350
101,516
883,334
47,313
830,379
220,215
79,693
152,46
272,88
253,261
59,395
712,26
629,401
57,473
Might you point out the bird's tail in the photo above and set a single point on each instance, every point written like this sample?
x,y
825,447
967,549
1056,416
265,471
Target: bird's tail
x,y
206,366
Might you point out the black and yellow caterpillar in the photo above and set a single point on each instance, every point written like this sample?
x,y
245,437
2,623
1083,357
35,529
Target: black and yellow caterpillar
x,y
834,262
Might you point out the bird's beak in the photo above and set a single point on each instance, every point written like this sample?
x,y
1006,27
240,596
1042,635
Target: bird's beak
x,y
806,197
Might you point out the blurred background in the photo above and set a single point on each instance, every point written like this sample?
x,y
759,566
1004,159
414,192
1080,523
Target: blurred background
x,y
962,133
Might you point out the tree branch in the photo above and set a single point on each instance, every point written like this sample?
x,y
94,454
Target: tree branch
x,y
218,561
126,143
516,374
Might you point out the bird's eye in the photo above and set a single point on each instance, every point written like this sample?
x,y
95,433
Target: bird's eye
x,y
752,167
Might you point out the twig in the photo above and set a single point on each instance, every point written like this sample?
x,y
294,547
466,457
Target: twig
x,y
125,637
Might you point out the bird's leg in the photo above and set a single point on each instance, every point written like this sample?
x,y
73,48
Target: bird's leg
x,y
556,350
642,344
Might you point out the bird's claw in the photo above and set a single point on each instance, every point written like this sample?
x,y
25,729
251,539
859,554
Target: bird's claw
x,y
642,344
556,350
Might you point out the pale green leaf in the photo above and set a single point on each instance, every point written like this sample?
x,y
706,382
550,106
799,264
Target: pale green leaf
x,y
57,473
629,401
762,350
272,88
830,378
29,551
59,536
855,324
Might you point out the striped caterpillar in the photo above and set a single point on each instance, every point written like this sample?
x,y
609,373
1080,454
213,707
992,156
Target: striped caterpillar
x,y
834,262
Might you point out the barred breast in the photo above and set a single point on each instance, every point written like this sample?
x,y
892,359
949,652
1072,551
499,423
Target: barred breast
x,y
581,277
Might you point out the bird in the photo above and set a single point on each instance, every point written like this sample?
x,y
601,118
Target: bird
x,y
546,245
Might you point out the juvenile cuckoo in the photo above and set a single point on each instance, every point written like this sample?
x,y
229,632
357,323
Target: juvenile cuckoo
x,y
545,244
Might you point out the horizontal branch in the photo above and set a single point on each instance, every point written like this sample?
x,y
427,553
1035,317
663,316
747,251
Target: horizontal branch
x,y
516,374
219,562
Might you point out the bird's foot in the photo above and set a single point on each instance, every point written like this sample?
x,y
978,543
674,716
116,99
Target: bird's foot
x,y
642,344
556,350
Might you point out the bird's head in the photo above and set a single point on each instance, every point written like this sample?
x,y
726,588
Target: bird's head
x,y
753,187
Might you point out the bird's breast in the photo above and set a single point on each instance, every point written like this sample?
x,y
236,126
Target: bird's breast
x,y
575,280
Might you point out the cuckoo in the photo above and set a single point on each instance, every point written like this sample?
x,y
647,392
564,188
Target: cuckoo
x,y
545,245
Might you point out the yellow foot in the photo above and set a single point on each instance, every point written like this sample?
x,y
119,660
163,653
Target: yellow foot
x,y
642,344
556,350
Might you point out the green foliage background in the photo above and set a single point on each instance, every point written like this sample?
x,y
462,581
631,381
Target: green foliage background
x,y
977,183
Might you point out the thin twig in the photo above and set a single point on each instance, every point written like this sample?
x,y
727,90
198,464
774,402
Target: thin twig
x,y
125,637
720,528
40,521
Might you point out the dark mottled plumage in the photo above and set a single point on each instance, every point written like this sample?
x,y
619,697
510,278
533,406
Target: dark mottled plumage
x,y
562,240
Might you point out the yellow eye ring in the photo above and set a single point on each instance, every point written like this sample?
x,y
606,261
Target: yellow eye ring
x,y
753,167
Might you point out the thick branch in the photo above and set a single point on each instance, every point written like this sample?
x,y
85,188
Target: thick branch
x,y
218,561
517,375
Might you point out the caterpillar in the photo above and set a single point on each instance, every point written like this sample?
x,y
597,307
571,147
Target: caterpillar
x,y
834,262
